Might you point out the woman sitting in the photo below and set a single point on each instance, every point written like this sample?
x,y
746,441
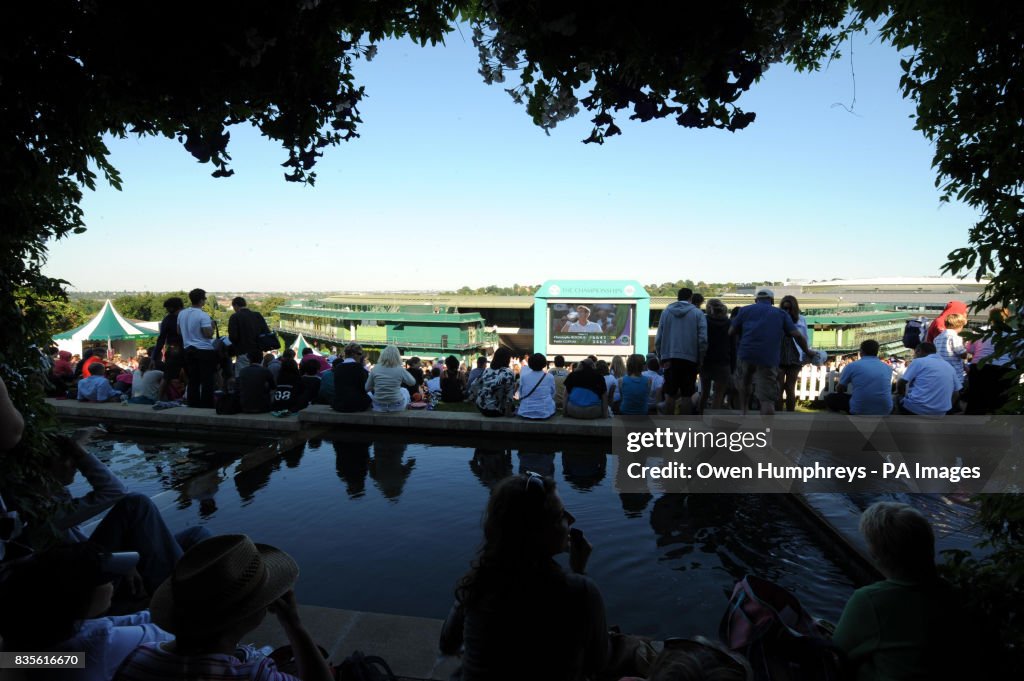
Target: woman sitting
x,y
518,614
634,388
908,626
288,395
386,381
146,383
536,389
494,389
453,384
586,394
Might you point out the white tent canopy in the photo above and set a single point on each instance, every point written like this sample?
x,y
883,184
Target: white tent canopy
x,y
108,325
300,344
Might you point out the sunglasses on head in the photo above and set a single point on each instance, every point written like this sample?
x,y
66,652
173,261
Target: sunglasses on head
x,y
533,477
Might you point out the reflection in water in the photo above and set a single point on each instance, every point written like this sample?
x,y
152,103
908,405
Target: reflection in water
x,y
538,457
584,466
203,488
387,469
491,466
249,481
293,455
352,463
633,494
734,532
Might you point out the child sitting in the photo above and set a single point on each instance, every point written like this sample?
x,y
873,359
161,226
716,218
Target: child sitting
x,y
96,388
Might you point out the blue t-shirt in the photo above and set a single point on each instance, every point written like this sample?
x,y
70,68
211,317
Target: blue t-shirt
x,y
762,327
634,396
930,385
872,386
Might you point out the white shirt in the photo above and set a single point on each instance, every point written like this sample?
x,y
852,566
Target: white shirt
x,y
589,327
147,384
191,321
536,394
657,381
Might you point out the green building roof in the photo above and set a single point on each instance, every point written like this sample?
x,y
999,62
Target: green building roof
x,y
356,315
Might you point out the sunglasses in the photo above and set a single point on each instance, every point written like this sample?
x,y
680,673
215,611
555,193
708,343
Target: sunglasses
x,y
534,478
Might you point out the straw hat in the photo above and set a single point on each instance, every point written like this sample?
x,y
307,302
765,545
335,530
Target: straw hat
x,y
220,581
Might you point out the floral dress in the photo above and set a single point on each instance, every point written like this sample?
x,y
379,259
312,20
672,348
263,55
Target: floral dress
x,y
496,389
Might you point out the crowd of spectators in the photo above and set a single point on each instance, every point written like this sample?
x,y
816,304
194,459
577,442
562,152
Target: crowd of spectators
x,y
749,358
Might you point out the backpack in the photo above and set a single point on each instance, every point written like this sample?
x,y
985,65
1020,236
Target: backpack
x,y
913,333
227,403
767,624
360,667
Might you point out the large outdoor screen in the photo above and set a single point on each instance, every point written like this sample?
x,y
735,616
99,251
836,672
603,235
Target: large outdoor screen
x,y
591,323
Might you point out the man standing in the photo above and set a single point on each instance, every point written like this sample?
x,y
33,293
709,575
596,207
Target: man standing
x,y
680,343
871,379
170,338
244,327
196,329
761,328
929,384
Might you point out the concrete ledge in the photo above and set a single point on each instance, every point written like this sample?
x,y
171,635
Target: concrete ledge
x,y
322,416
177,418
408,644
458,422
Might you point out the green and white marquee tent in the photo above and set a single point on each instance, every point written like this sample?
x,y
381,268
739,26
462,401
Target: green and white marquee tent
x,y
300,344
108,325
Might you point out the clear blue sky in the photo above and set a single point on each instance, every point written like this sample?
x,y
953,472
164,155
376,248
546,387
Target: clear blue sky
x,y
451,184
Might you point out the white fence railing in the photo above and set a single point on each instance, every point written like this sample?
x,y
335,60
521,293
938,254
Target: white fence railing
x,y
814,383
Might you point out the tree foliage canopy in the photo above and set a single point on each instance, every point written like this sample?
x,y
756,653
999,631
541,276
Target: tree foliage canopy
x,y
72,73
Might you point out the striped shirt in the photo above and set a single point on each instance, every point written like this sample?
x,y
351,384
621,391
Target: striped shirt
x,y
950,347
150,662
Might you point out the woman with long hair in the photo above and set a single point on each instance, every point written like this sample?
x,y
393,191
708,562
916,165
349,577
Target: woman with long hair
x,y
518,614
792,357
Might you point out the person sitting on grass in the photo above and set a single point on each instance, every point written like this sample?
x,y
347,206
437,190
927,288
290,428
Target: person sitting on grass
x,y
96,387
219,592
516,598
909,626
56,601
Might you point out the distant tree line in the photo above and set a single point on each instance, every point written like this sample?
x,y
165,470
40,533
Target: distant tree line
x,y
668,288
146,307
